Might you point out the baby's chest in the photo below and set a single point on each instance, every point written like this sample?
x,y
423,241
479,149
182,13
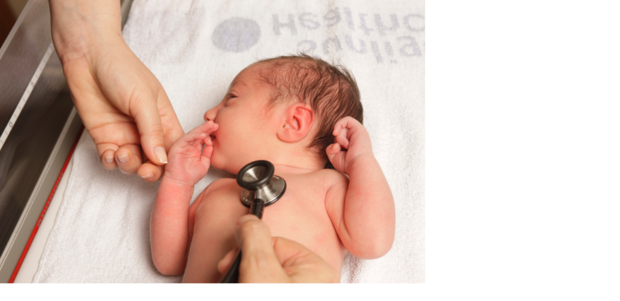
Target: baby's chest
x,y
299,215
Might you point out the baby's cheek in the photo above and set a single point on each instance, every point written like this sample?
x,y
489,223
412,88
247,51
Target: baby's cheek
x,y
216,159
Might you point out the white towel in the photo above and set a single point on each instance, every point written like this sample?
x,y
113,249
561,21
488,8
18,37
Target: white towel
x,y
195,48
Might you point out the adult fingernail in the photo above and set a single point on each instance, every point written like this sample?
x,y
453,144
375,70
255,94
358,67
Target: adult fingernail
x,y
109,159
147,177
160,154
123,159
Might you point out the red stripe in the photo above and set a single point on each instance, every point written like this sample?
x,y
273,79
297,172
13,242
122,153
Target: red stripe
x,y
47,204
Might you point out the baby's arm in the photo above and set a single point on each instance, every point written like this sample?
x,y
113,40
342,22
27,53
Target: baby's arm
x,y
365,220
188,162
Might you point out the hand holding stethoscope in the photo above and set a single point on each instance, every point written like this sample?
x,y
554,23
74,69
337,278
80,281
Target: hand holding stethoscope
x,y
286,261
261,189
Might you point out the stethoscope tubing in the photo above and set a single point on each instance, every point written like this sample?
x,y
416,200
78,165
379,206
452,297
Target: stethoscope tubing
x,y
232,276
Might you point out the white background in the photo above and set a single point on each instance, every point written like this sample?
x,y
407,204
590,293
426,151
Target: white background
x,y
523,162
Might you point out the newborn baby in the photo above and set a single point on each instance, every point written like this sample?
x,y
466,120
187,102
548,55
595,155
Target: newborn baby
x,y
300,113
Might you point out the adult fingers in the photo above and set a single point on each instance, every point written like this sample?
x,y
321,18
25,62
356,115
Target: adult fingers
x,y
106,155
303,265
107,159
150,172
259,263
148,120
128,158
170,124
224,265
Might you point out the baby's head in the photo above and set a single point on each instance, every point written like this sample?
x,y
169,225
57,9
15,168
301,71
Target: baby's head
x,y
284,110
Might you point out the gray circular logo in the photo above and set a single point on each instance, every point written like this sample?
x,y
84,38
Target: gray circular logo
x,y
236,35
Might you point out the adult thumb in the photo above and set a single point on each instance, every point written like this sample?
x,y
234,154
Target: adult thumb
x,y
151,132
259,263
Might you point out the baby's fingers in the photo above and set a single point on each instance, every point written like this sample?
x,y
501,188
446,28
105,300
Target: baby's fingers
x,y
345,123
208,127
332,150
336,156
342,139
194,137
208,149
200,131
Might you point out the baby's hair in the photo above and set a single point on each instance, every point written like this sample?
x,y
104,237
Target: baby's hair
x,y
330,90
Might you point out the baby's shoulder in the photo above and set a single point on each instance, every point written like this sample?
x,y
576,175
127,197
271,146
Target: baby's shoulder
x,y
336,185
332,177
220,185
223,182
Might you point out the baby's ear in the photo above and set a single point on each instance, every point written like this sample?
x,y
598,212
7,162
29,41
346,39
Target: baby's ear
x,y
297,123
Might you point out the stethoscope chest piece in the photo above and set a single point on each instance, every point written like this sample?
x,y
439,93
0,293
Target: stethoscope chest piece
x,y
269,194
259,182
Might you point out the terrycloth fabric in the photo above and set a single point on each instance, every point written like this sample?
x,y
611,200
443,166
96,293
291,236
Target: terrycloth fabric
x,y
195,48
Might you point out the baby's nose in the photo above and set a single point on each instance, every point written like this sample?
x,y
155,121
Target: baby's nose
x,y
210,115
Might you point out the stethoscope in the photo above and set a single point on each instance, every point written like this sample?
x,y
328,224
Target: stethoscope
x,y
261,188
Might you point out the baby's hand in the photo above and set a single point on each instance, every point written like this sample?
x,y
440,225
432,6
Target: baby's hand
x,y
352,142
188,162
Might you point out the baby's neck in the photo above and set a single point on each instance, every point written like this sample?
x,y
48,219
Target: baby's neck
x,y
295,161
290,169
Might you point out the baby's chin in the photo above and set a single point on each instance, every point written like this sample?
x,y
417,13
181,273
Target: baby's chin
x,y
231,166
220,163
217,162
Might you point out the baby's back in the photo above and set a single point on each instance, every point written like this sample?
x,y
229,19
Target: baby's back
x,y
300,215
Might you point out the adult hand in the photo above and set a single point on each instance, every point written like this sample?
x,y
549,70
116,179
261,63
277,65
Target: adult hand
x,y
277,259
122,104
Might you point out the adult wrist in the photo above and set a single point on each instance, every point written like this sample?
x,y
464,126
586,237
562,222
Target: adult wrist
x,y
81,27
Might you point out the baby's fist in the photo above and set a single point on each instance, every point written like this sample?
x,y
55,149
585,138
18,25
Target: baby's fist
x,y
190,157
351,142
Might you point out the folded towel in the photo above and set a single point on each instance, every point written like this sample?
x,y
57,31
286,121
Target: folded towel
x,y
195,48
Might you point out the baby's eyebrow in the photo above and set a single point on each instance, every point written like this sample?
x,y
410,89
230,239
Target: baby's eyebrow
x,y
237,82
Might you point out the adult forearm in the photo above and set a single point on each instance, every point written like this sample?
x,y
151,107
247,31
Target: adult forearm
x,y
369,208
80,25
